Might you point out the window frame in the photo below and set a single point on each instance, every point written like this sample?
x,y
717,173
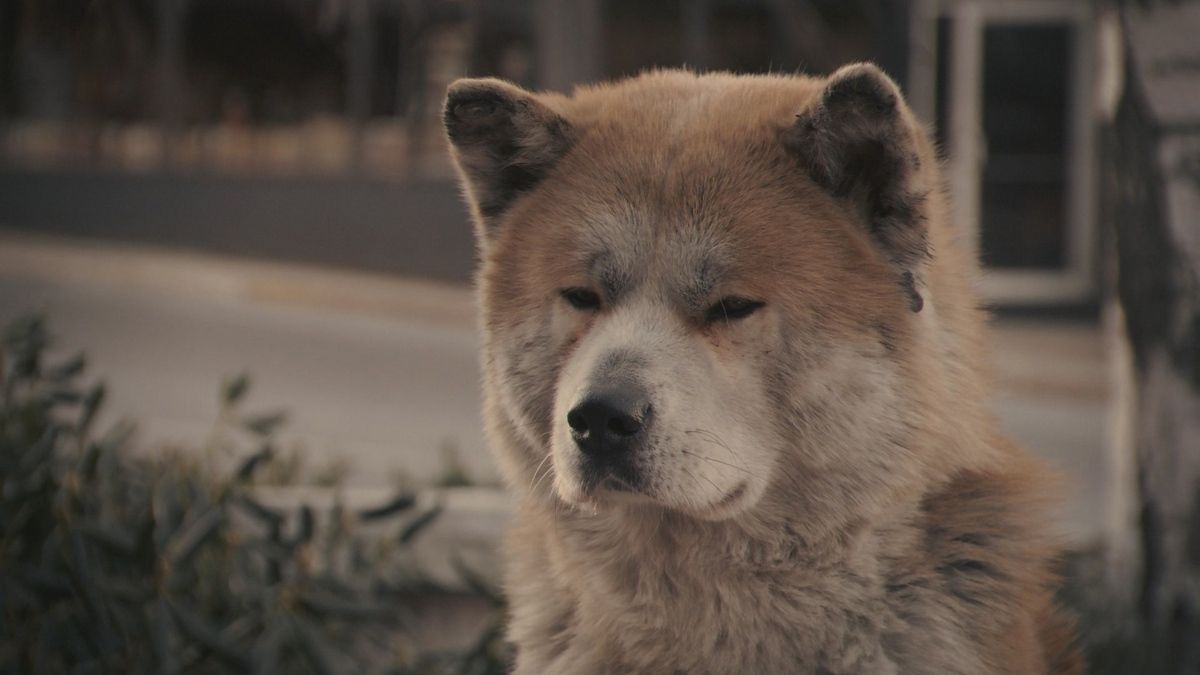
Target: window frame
x,y
1075,281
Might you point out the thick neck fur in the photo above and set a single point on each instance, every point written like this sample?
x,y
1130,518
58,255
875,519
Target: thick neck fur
x,y
819,595
774,534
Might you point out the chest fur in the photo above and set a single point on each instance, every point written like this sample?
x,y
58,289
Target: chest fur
x,y
706,609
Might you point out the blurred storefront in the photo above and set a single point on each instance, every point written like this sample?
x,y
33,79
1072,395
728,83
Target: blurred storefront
x,y
309,130
327,86
286,110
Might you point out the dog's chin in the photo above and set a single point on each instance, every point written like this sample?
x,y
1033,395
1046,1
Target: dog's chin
x,y
599,494
611,494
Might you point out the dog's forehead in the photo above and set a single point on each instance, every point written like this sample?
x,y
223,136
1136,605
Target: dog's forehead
x,y
677,253
682,184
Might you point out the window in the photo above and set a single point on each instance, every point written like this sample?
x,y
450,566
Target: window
x,y
1008,84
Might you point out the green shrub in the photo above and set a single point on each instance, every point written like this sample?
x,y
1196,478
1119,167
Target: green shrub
x,y
112,562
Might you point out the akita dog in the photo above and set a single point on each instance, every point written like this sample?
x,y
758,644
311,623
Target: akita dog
x,y
733,372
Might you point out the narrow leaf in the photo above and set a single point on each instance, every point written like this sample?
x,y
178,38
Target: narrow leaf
x,y
246,471
91,405
269,647
41,451
320,653
398,504
186,543
253,507
45,582
235,388
308,525
265,424
25,339
81,573
158,618
114,540
203,633
125,590
69,368
90,460
29,329
419,523
61,395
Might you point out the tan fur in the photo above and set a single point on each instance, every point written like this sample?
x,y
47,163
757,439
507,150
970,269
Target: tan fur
x,y
881,524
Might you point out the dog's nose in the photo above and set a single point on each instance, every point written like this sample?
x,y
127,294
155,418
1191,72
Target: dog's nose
x,y
609,423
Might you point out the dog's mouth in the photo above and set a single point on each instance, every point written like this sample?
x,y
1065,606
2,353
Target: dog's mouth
x,y
615,474
594,482
598,483
615,489
615,484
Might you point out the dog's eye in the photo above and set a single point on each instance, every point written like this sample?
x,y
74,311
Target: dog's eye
x,y
732,308
581,298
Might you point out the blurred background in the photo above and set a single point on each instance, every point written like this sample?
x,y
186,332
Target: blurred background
x,y
192,189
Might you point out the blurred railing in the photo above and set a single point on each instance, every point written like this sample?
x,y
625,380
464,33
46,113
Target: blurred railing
x,y
353,86
271,86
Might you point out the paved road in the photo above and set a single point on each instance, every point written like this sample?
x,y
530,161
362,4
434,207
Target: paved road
x,y
390,392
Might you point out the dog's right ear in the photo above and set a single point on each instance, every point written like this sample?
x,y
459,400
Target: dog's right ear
x,y
859,142
504,141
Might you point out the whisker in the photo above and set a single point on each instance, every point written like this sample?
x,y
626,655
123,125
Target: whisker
x,y
723,445
544,474
714,460
536,470
718,461
687,472
710,482
715,439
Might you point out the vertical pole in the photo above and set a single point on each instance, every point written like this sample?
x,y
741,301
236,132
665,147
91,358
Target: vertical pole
x,y
695,34
922,59
568,42
170,90
1081,222
358,85
965,119
415,60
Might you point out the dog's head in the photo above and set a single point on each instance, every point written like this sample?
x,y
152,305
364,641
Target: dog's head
x,y
696,287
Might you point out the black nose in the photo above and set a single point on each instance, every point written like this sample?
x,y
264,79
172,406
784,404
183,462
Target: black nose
x,y
610,422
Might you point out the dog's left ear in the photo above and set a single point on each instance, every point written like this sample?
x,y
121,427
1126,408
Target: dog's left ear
x,y
859,142
504,141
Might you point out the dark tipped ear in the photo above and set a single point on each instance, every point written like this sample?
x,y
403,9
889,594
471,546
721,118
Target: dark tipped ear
x,y
504,142
859,142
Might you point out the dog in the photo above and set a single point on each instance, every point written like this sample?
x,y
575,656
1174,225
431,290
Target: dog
x,y
733,370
